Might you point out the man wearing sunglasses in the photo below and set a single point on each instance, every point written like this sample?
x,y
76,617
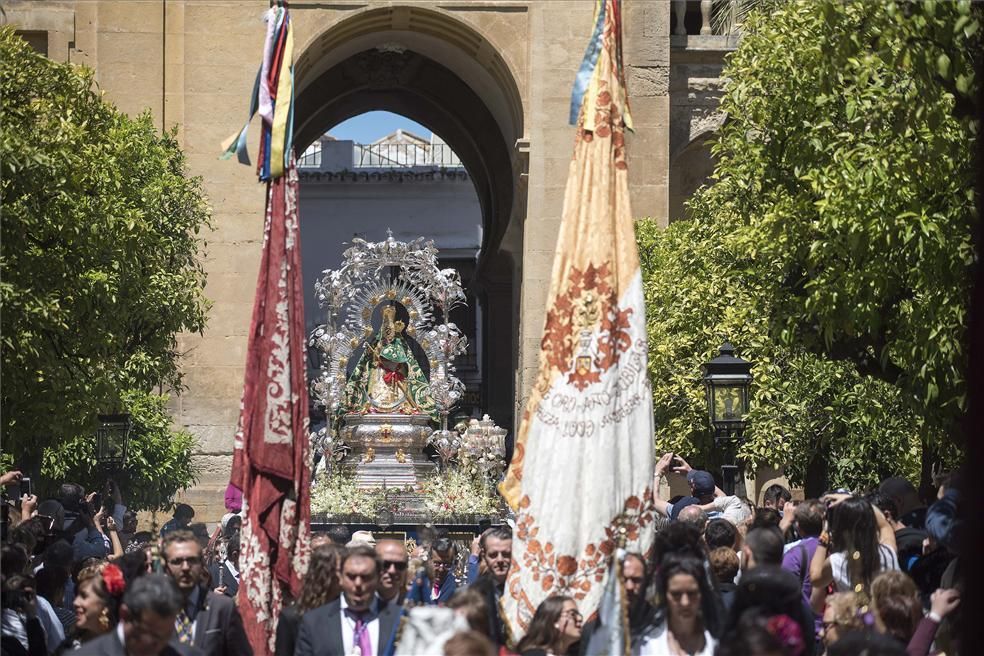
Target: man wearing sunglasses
x,y
393,577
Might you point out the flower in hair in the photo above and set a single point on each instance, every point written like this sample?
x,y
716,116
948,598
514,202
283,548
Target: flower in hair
x,y
113,579
788,633
867,617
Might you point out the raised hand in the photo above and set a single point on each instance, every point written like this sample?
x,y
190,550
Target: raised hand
x,y
944,600
29,505
663,464
683,467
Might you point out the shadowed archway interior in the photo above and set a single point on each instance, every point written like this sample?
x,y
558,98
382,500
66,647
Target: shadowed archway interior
x,y
415,63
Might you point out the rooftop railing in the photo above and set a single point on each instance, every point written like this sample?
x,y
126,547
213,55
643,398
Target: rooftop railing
x,y
377,156
403,155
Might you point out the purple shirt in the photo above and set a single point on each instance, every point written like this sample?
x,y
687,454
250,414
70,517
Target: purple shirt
x,y
793,561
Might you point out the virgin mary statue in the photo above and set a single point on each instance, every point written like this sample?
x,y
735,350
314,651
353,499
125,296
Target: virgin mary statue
x,y
387,378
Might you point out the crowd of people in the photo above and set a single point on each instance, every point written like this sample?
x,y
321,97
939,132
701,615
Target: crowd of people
x,y
873,573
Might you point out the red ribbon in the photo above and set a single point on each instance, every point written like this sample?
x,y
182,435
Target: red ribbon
x,y
392,377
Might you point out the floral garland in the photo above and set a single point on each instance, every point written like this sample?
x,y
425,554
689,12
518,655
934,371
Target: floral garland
x,y
453,492
338,494
458,492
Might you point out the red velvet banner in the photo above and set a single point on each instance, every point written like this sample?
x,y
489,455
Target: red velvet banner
x,y
272,462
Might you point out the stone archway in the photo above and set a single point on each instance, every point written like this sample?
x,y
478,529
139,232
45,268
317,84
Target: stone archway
x,y
690,169
435,70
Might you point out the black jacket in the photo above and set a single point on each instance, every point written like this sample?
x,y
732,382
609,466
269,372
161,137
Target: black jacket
x,y
490,590
221,576
219,628
321,630
288,626
109,645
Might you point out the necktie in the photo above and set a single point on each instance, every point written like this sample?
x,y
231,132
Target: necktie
x,y
361,642
182,626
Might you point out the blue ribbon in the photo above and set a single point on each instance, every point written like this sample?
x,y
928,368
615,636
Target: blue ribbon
x,y
584,73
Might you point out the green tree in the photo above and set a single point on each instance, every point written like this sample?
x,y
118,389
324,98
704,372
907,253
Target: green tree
x,y
841,222
849,153
821,420
101,271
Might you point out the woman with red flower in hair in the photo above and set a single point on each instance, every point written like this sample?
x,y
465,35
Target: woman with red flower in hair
x,y
97,602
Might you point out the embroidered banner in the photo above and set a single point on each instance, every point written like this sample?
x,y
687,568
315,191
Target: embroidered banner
x,y
272,461
583,461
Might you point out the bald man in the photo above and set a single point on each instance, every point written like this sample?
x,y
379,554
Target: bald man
x,y
393,570
694,515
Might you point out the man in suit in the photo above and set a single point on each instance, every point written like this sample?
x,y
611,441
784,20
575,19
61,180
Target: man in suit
x,y
207,621
146,624
393,573
435,585
225,575
495,551
358,622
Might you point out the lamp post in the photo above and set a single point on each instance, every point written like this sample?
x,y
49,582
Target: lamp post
x,y
726,382
112,439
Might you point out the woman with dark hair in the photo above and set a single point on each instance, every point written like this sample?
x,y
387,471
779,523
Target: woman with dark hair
x,y
554,629
51,583
321,586
689,613
758,634
858,545
97,603
775,594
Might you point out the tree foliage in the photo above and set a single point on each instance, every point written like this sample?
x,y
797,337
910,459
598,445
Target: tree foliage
x,y
100,259
848,154
834,249
158,461
820,420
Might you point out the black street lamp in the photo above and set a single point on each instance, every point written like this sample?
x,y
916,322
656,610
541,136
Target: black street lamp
x,y
726,382
112,439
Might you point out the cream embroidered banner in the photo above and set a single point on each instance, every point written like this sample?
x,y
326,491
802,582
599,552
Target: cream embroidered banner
x,y
583,462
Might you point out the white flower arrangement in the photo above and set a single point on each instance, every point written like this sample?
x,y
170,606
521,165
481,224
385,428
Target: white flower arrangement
x,y
338,494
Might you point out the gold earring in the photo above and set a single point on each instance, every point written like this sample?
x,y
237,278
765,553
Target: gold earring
x,y
104,619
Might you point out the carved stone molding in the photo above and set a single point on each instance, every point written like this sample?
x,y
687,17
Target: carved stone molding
x,y
382,69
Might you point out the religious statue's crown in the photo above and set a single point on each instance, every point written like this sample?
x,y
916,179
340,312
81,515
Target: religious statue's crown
x,y
391,328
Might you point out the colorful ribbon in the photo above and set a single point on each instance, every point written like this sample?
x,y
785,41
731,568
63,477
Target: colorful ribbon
x,y
274,81
586,91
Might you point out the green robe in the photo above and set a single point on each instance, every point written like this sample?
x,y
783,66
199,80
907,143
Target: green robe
x,y
358,398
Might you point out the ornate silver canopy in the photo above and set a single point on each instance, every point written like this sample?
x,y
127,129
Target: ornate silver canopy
x,y
375,273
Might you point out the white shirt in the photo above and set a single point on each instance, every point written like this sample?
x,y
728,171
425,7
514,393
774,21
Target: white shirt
x,y
657,643
348,627
732,509
842,578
